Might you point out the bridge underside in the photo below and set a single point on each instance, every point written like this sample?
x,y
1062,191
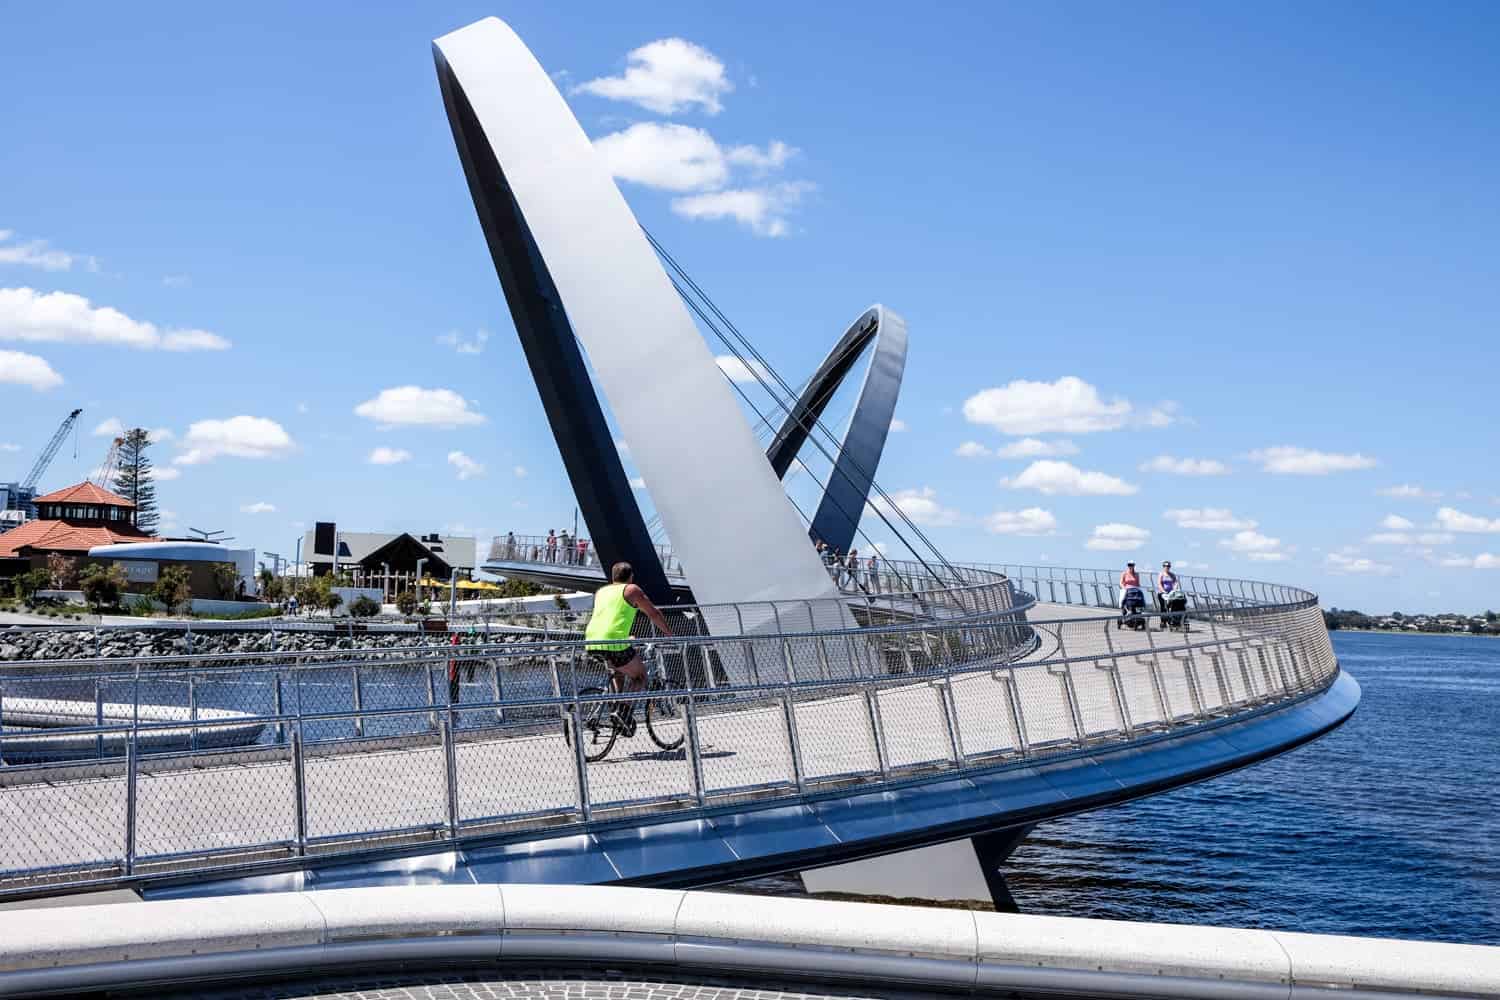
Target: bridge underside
x,y
749,842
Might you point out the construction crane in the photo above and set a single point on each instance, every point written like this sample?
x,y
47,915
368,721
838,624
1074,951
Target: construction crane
x,y
20,496
111,463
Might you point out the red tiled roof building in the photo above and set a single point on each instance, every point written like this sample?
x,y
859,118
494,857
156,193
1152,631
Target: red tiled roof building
x,y
72,521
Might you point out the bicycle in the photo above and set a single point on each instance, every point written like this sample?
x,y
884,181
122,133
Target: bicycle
x,y
600,721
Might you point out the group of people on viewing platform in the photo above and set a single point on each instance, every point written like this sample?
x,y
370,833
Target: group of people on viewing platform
x,y
563,548
851,571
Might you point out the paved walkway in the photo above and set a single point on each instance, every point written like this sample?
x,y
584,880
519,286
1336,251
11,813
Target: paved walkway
x,y
536,985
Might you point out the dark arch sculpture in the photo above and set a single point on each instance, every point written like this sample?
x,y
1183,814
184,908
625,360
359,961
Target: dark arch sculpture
x,y
838,512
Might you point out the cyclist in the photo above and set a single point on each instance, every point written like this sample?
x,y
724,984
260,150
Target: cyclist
x,y
608,634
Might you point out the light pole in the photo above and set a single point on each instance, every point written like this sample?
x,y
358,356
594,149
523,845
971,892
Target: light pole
x,y
452,592
297,566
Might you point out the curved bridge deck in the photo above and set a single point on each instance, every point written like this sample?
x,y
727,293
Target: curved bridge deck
x,y
800,748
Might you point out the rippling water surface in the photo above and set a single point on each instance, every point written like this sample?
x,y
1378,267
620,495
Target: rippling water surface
x,y
1390,826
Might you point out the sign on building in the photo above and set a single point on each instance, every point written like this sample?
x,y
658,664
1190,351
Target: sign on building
x,y
139,570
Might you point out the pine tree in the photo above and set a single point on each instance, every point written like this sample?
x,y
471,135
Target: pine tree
x,y
134,481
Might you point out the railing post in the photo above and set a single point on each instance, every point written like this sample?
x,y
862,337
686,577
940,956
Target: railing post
x,y
877,729
131,764
98,718
793,741
496,687
279,711
694,750
579,763
950,716
358,693
1017,718
193,711
450,764
432,716
299,788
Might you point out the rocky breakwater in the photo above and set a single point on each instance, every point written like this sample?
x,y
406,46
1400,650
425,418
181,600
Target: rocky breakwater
x,y
18,644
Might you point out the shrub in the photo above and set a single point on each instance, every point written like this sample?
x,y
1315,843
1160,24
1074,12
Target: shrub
x,y
102,585
406,602
173,588
141,607
62,571
29,582
226,580
364,607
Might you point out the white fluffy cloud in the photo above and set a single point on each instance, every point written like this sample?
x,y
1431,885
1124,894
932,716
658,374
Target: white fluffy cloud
x,y
1286,460
1117,537
899,426
921,505
1063,478
763,210
1450,519
109,427
520,472
1031,521
666,76
61,317
1208,519
666,156
413,406
36,253
1255,545
19,368
1068,406
240,437
1484,560
388,456
465,345
742,372
259,507
1406,491
9,446
1395,522
973,449
1185,466
165,473
1339,562
466,466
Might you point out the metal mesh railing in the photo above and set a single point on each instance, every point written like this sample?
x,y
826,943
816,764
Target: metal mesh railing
x,y
117,769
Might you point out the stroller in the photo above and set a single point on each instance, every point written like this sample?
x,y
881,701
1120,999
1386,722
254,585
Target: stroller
x,y
1132,609
1173,605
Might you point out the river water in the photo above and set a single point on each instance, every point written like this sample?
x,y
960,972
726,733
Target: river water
x,y
1389,826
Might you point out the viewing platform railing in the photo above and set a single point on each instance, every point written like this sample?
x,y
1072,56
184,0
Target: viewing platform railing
x,y
370,747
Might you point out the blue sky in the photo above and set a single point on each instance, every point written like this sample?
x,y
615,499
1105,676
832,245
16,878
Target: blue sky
x,y
1264,237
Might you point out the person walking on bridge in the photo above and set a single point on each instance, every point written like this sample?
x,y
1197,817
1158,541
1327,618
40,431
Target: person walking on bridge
x,y
607,635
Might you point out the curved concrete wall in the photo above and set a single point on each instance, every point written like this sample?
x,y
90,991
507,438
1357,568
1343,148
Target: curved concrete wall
x,y
73,949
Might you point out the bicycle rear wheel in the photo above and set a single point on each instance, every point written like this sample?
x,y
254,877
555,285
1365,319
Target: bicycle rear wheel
x,y
597,723
666,718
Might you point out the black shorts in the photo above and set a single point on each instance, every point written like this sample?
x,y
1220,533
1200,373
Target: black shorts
x,y
615,658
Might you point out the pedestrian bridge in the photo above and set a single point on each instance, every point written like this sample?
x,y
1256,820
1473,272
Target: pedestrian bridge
x,y
988,699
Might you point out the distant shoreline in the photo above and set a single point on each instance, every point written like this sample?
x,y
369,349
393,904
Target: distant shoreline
x,y
1403,632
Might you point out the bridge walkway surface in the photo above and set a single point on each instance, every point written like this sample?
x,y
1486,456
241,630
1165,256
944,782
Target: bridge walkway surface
x,y
812,748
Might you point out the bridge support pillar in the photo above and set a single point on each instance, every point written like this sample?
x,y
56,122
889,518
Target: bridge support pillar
x,y
961,870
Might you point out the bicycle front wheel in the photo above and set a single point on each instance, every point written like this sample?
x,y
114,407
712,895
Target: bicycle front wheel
x,y
599,730
666,717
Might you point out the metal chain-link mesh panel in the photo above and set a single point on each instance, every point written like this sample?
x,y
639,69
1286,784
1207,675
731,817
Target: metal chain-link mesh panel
x,y
746,748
